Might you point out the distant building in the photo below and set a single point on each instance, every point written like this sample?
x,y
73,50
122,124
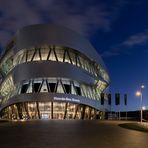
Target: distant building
x,y
51,72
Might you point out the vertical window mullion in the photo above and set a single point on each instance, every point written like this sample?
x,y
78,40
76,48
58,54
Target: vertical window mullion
x,y
48,87
55,53
64,55
65,111
28,85
49,53
40,54
55,89
26,55
82,89
41,86
69,56
79,61
74,88
32,82
63,86
33,54
76,59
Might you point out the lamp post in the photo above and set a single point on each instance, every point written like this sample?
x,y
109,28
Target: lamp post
x,y
139,93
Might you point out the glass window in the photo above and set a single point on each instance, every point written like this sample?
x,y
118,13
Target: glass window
x,y
59,88
67,57
29,87
78,62
37,56
58,110
37,85
67,88
73,57
44,53
32,110
82,62
23,57
59,53
52,84
84,93
44,87
52,56
45,110
73,90
71,110
24,88
78,90
30,54
66,85
53,53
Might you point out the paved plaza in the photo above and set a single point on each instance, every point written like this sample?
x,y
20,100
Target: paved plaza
x,y
70,134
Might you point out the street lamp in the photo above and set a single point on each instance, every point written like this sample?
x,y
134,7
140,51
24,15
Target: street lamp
x,y
143,107
139,93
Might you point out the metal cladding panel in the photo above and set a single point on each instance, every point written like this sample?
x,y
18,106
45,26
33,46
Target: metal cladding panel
x,y
52,97
38,35
47,69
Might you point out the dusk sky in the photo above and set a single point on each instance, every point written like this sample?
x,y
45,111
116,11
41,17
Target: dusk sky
x,y
118,29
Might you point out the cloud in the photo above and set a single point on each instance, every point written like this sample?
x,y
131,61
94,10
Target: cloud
x,y
109,54
4,36
14,15
84,16
137,39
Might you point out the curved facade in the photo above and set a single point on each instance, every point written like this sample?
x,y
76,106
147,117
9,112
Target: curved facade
x,y
51,72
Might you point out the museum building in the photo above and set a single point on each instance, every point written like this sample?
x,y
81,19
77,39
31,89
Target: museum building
x,y
51,72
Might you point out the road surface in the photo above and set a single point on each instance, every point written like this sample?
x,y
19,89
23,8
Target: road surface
x,y
70,134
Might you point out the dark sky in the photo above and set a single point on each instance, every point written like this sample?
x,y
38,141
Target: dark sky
x,y
118,29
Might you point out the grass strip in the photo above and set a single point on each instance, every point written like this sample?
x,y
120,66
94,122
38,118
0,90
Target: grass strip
x,y
135,126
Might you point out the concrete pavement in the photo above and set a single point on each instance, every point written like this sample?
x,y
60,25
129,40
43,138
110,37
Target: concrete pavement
x,y
70,134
